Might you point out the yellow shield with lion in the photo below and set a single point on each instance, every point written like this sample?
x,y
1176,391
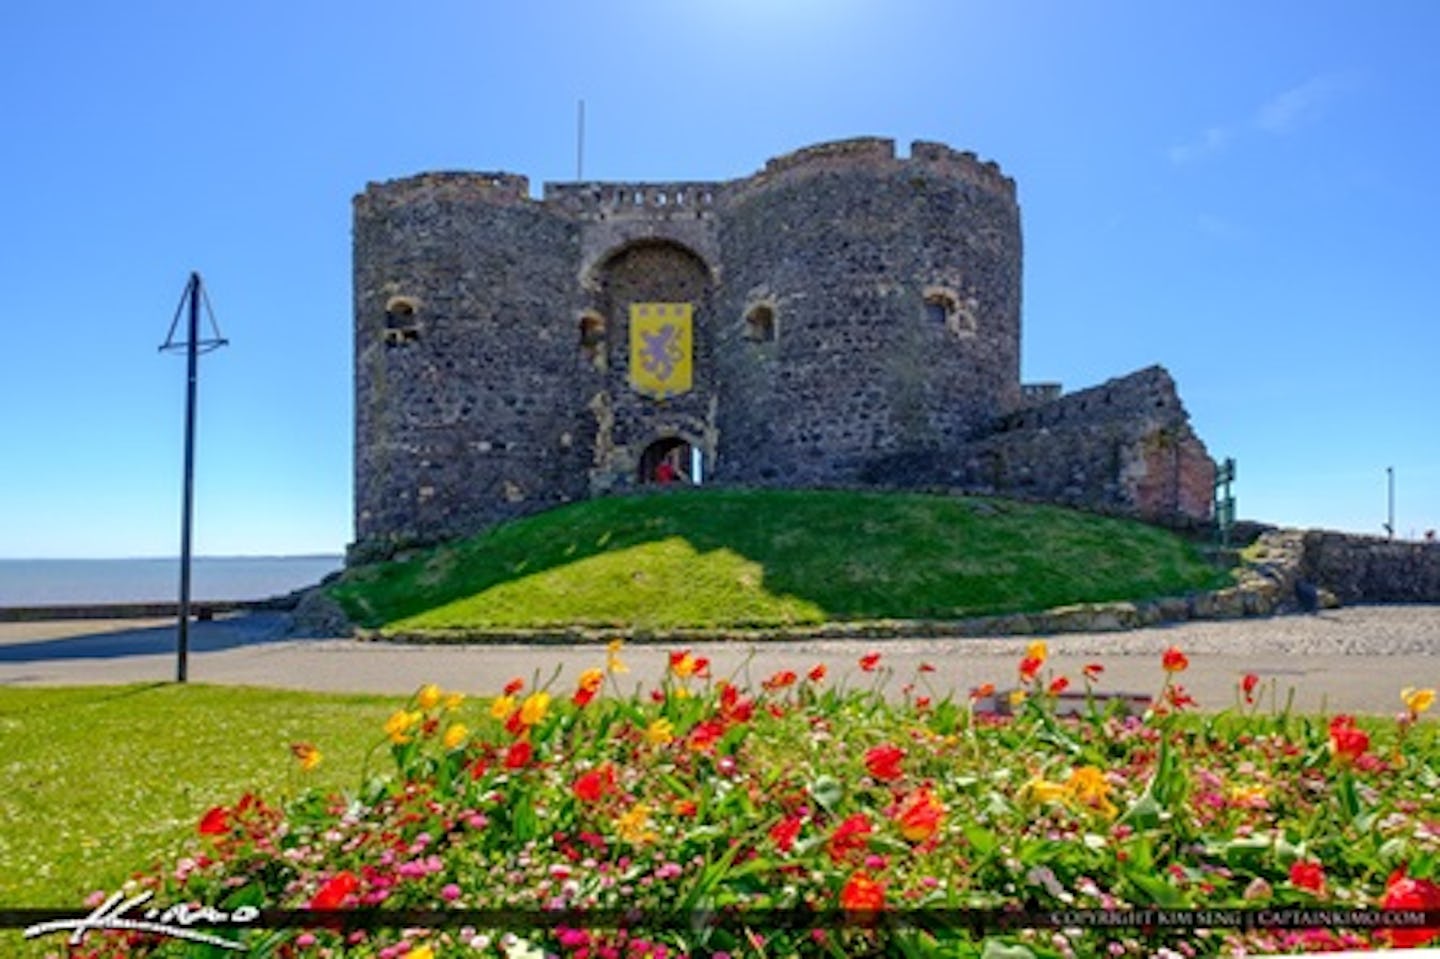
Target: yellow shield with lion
x,y
661,341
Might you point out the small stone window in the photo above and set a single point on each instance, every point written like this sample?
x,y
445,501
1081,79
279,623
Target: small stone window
x,y
944,308
402,323
937,310
592,339
760,323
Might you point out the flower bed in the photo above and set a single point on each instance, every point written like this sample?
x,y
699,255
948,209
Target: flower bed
x,y
812,817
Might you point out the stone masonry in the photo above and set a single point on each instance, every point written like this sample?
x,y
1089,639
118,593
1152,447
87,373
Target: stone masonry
x,y
856,322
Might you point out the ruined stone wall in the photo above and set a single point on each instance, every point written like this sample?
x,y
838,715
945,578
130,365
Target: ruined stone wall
x,y
894,287
1125,445
468,408
1369,569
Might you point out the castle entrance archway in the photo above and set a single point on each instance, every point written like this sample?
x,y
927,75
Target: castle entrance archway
x,y
668,461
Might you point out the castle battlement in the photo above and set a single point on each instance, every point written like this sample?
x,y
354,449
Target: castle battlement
x,y
450,187
669,199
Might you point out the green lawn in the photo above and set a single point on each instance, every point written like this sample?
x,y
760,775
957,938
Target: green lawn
x,y
102,782
726,558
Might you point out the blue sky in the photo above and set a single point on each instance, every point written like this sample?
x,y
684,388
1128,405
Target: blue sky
x,y
1243,192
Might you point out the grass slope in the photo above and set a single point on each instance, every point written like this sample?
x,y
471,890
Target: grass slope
x,y
727,558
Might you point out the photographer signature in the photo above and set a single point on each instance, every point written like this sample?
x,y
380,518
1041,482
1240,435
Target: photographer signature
x,y
174,921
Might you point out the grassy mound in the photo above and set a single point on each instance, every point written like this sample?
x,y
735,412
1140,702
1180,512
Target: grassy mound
x,y
725,558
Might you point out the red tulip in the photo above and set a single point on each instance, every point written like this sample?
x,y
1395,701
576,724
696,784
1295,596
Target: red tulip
x,y
883,762
1248,682
518,755
919,815
1402,892
785,832
862,894
335,891
1347,743
850,837
215,822
1308,875
591,786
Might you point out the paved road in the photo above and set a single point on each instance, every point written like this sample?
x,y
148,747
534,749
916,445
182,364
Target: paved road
x,y
1354,659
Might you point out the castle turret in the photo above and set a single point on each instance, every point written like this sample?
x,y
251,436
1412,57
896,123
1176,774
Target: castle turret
x,y
889,298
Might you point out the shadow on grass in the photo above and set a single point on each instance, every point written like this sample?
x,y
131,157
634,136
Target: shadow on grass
x,y
850,555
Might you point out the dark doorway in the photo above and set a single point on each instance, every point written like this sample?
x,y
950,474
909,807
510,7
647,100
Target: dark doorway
x,y
666,462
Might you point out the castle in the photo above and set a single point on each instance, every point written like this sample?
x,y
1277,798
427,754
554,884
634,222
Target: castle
x,y
844,317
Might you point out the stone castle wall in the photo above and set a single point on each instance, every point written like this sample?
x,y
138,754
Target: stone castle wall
x,y
856,320
1125,445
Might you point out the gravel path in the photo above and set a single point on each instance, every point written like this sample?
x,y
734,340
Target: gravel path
x,y
1354,659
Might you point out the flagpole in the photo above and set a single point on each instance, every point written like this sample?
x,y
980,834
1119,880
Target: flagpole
x,y
580,142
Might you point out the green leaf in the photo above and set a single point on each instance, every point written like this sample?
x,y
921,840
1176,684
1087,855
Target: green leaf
x,y
1395,851
1348,797
982,839
995,949
1144,813
1157,890
828,792
1247,853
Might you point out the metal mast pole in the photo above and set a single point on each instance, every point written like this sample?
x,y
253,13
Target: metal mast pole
x,y
189,300
580,142
192,355
1390,515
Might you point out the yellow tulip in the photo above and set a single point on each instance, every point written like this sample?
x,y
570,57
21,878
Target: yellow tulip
x,y
1087,784
428,697
456,735
420,952
1417,700
502,707
397,727
632,825
453,701
534,708
1037,650
660,732
613,663
1042,790
307,754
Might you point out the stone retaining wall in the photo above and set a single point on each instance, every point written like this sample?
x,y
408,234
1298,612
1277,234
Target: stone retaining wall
x,y
1368,569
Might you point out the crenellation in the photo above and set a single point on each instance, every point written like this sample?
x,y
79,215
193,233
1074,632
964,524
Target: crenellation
x,y
857,152
435,188
963,165
679,198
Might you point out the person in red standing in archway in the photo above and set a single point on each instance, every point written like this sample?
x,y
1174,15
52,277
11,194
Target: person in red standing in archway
x,y
665,473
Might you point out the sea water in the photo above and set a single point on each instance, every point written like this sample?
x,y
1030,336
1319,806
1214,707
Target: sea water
x,y
53,582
